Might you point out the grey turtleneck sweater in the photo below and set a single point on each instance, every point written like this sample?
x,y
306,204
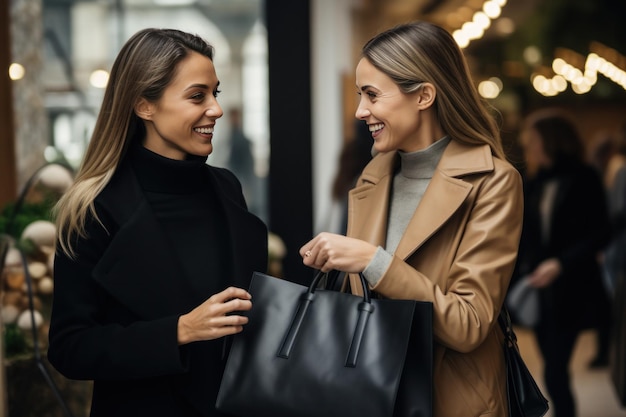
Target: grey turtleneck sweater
x,y
409,185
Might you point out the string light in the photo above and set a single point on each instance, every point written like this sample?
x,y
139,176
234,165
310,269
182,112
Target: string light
x,y
582,82
481,21
603,60
490,88
475,29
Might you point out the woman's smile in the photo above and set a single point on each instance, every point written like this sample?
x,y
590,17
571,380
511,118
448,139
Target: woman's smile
x,y
376,129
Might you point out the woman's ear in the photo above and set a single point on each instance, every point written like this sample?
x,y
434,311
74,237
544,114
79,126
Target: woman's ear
x,y
144,109
426,96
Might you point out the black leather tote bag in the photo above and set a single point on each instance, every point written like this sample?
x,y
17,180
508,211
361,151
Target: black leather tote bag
x,y
525,397
311,352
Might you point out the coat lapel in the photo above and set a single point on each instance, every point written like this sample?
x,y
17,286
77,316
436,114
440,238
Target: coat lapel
x,y
368,205
248,233
369,201
138,253
442,198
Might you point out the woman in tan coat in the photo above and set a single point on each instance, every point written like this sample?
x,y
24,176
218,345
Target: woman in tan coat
x,y
436,215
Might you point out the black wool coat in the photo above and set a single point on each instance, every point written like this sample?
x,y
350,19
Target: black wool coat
x,y
116,307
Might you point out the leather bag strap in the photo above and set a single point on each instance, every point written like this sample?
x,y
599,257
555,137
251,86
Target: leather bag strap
x,y
365,309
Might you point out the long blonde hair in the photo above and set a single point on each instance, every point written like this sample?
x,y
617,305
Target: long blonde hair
x,y
144,67
418,52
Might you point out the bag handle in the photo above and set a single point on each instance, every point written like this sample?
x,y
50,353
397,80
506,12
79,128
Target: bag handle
x,y
334,280
365,309
507,327
331,283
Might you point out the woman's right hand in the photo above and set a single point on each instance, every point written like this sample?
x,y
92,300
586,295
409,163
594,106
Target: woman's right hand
x,y
545,273
213,318
328,251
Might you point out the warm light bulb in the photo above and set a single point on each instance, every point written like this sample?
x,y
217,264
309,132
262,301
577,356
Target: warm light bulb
x,y
461,38
482,20
492,9
488,89
16,71
99,78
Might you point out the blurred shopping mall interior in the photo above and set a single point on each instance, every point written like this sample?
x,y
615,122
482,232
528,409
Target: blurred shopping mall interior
x,y
287,66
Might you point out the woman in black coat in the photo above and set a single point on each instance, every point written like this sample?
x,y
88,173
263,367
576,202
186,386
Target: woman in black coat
x,y
155,247
565,229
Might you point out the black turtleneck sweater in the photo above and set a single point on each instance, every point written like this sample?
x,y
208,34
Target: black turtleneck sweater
x,y
184,201
185,205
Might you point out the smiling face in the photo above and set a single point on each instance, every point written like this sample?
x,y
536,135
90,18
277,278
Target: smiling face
x,y
393,117
181,122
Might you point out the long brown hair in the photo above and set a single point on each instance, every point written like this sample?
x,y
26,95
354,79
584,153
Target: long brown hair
x,y
144,67
418,52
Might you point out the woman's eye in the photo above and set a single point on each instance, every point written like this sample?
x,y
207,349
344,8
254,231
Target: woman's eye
x,y
216,93
198,96
369,94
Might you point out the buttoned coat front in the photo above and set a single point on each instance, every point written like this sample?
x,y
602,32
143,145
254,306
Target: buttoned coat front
x,y
458,252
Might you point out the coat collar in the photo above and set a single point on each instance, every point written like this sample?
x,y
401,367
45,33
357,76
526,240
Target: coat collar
x,y
369,200
139,251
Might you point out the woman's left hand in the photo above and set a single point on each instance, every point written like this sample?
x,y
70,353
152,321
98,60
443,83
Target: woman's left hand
x,y
329,251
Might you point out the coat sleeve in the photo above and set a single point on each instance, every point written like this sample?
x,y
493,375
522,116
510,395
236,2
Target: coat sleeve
x,y
482,261
86,344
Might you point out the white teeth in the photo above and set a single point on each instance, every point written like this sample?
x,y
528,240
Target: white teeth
x,y
203,130
375,127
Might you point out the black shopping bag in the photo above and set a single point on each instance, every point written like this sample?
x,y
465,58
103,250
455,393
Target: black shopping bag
x,y
311,352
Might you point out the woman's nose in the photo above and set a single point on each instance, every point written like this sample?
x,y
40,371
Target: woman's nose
x,y
215,111
361,113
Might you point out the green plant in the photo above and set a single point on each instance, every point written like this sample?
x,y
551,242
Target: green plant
x,y
28,213
14,340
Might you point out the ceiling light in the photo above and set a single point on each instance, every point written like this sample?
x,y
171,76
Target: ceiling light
x,y
16,71
99,78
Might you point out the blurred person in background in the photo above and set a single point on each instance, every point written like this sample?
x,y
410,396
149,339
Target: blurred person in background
x,y
566,227
600,154
615,183
607,153
241,158
615,265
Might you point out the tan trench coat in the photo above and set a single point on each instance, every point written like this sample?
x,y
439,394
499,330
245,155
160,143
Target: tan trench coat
x,y
458,252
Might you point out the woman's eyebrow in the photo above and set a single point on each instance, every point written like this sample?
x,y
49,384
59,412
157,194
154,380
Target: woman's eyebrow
x,y
204,86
